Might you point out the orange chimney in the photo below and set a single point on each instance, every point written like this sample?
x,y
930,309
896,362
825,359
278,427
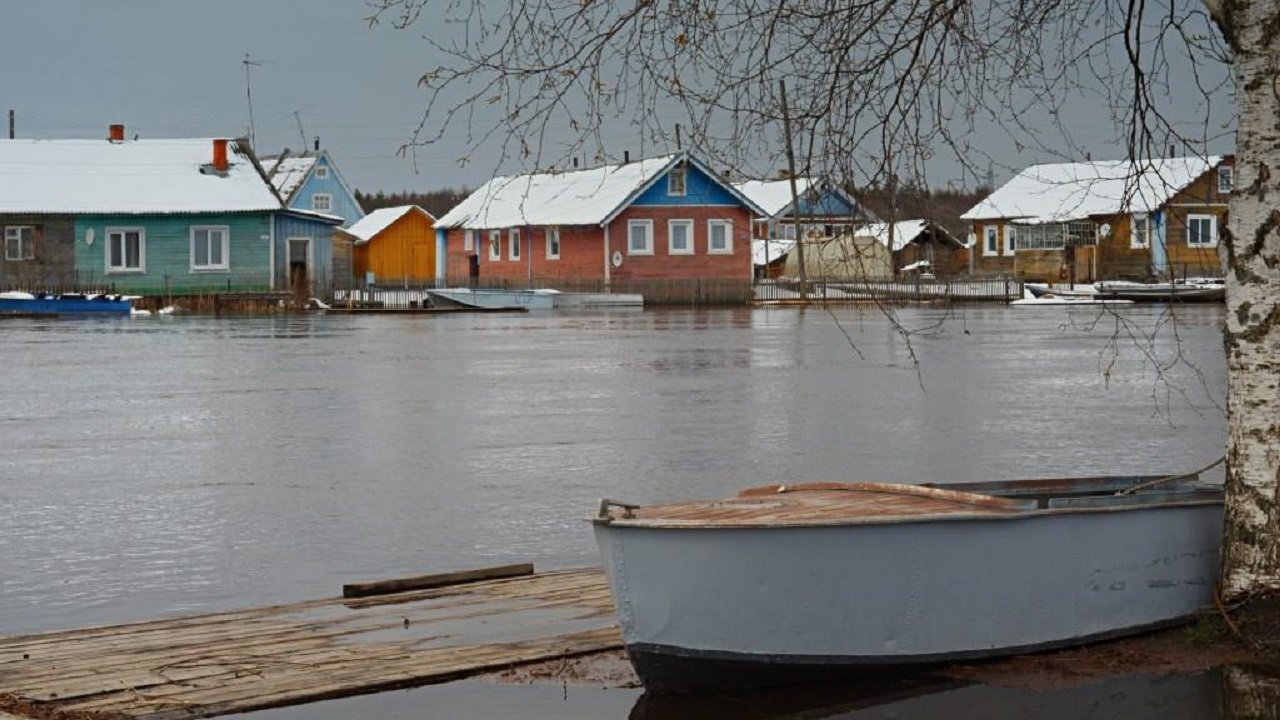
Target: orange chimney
x,y
115,133
220,155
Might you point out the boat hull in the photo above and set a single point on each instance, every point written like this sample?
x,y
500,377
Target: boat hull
x,y
64,306
710,607
1162,292
495,299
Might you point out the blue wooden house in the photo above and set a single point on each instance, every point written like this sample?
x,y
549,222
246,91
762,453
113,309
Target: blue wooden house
x,y
154,217
311,181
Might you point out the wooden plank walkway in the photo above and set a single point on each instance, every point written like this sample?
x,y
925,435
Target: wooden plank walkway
x,y
208,665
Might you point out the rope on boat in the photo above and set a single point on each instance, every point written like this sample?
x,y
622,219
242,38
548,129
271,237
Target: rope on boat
x,y
1171,478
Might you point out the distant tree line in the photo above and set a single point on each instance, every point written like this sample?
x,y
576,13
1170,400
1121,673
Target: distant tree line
x,y
436,202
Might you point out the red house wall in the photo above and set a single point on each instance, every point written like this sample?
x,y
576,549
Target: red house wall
x,y
582,254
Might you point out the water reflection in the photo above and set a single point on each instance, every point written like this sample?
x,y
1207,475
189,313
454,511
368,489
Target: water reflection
x,y
1135,697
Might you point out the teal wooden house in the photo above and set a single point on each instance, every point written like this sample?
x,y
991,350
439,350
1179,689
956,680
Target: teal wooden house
x,y
155,217
311,181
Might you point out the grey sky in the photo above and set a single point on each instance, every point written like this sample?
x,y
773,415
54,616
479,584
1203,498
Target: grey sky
x,y
173,69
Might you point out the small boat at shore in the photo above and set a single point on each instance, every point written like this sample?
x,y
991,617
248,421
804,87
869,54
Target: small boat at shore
x,y
1086,290
795,583
1029,299
24,303
1189,290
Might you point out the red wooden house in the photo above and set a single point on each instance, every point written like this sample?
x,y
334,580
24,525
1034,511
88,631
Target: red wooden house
x,y
634,227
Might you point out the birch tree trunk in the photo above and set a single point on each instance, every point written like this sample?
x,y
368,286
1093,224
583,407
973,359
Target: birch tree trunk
x,y
1251,246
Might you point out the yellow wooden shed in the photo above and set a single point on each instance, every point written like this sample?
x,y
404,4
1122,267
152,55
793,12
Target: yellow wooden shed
x,y
395,244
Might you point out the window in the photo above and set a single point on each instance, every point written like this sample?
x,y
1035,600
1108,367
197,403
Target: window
x,y
1225,178
675,181
126,250
553,243
680,237
209,247
495,244
321,202
1202,231
1010,239
991,247
468,240
19,242
515,244
640,237
720,237
1140,232
322,171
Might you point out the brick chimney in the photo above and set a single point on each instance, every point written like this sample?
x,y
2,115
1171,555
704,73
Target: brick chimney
x,y
115,133
220,155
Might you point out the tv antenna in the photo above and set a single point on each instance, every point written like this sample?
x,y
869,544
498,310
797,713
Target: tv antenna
x,y
301,133
247,62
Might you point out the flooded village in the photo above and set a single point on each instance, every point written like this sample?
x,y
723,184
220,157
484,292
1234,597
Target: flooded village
x,y
660,427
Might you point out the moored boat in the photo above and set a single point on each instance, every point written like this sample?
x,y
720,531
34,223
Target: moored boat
x,y
1029,299
797,582
1192,290
25,303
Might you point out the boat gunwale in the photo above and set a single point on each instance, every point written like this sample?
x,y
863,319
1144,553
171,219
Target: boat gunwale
x,y
1197,495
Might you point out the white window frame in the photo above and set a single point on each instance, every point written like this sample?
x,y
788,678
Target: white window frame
x,y
468,241
495,244
322,171
647,248
688,237
1140,241
1010,239
1212,220
991,240
678,181
1226,179
553,243
225,231
328,202
26,250
142,250
728,237
514,236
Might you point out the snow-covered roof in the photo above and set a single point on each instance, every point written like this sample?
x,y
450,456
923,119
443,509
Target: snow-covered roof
x,y
1074,191
375,222
580,197
764,252
773,196
904,231
134,176
288,173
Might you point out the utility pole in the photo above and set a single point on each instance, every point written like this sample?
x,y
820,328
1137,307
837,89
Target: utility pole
x,y
795,196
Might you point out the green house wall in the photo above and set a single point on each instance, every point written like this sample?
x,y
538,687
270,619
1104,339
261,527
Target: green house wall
x,y
167,254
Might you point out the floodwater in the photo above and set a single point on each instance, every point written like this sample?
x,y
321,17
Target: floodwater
x,y
156,466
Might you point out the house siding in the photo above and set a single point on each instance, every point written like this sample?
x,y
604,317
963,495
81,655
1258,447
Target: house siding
x,y
167,254
54,261
701,263
320,233
344,205
405,250
699,190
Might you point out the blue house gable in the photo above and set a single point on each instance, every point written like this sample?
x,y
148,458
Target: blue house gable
x,y
699,188
310,181
826,202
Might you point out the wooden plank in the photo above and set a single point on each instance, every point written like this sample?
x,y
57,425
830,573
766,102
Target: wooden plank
x,y
256,658
426,582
